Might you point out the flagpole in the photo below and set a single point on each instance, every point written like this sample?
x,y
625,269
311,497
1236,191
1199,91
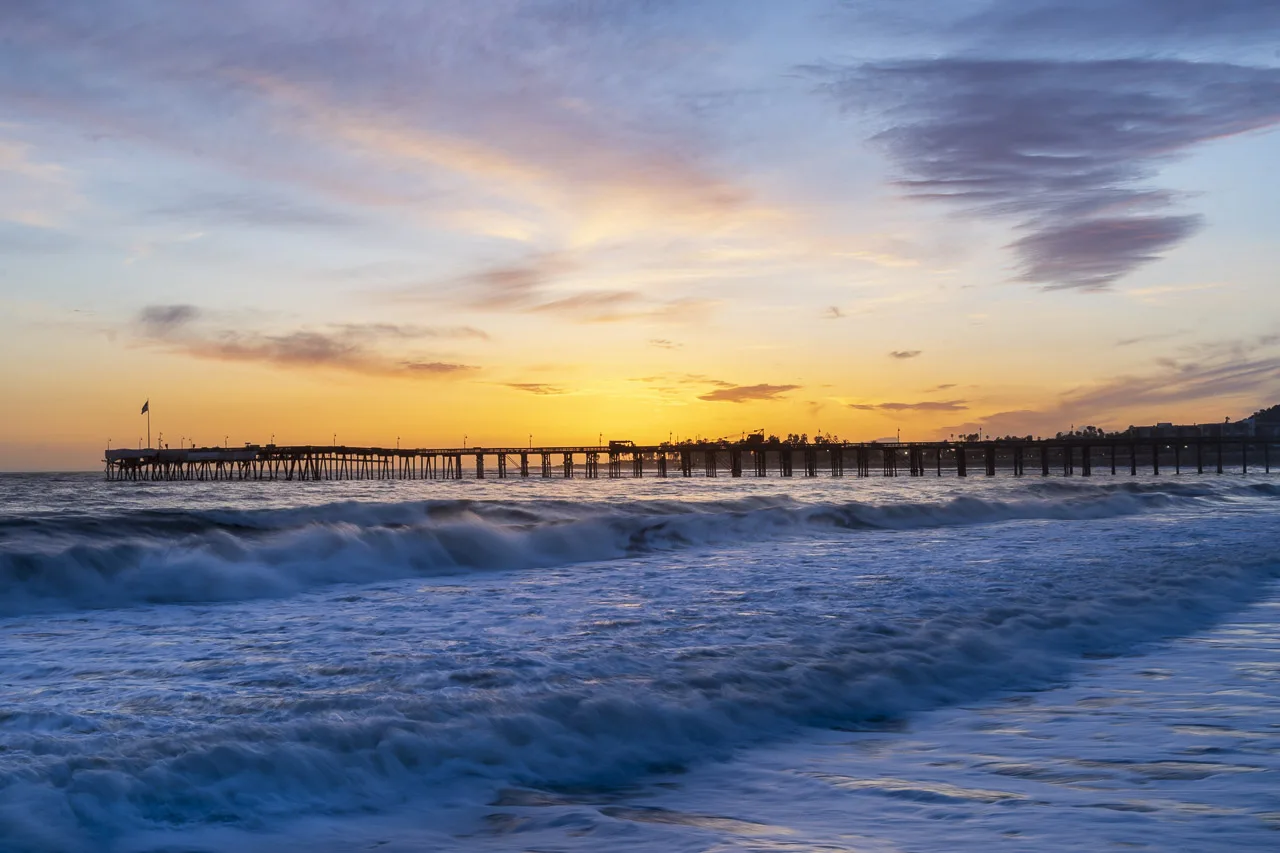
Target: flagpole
x,y
148,424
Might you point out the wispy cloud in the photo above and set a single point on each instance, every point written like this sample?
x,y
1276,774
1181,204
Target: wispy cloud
x,y
353,347
428,368
922,406
615,185
1233,375
536,388
407,332
410,108
537,285
159,321
506,287
747,393
1064,147
903,354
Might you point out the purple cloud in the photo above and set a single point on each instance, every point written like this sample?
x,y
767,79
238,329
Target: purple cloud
x,y
355,347
535,388
746,393
923,406
1064,147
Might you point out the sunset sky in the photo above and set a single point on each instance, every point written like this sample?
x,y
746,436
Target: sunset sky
x,y
639,218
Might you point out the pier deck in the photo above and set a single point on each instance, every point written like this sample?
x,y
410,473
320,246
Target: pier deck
x,y
733,459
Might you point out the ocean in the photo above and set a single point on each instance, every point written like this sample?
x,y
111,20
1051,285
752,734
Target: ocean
x,y
881,664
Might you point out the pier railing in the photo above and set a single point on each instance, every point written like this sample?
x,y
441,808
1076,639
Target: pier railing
x,y
733,459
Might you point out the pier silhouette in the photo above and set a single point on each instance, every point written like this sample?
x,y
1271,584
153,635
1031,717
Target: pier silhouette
x,y
1067,456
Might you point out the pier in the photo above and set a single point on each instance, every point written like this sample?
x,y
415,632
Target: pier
x,y
1045,457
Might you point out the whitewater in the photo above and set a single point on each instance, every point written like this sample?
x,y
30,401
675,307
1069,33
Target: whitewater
x,y
687,664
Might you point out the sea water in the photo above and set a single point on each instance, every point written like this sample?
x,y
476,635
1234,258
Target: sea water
x,y
909,664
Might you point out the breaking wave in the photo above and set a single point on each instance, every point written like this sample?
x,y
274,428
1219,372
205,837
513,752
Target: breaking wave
x,y
176,556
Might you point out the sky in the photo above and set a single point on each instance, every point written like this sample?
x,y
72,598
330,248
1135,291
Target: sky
x,y
547,221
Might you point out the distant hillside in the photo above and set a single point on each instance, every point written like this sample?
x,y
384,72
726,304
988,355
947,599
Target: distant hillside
x,y
1268,416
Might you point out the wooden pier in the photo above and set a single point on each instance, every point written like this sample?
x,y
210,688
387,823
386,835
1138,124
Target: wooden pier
x,y
1069,456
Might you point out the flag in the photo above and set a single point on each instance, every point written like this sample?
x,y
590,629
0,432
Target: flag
x,y
146,407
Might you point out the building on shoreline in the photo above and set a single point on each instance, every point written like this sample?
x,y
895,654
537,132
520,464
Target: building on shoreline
x,y
1251,427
